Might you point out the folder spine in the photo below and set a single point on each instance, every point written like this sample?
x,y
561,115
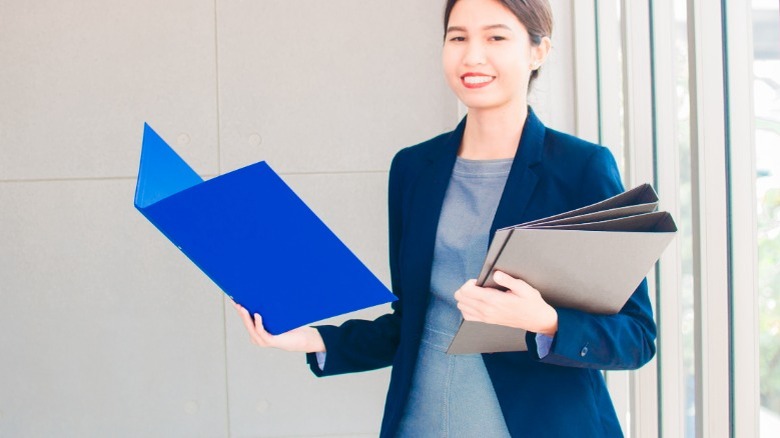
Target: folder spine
x,y
485,274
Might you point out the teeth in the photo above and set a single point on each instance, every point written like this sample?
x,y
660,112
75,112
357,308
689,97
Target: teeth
x,y
477,79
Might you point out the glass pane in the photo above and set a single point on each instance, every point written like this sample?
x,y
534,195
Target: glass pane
x,y
766,89
685,221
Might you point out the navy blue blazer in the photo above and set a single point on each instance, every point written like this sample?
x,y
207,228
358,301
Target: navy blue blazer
x,y
561,394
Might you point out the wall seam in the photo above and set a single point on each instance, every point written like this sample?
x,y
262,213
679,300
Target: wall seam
x,y
219,172
204,176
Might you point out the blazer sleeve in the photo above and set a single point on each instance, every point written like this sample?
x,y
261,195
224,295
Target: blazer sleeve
x,y
625,340
363,345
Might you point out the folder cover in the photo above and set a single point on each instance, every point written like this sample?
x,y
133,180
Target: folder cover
x,y
590,259
255,238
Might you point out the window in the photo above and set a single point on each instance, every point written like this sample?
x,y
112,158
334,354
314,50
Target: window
x,y
766,91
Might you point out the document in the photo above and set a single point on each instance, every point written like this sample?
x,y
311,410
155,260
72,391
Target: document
x,y
590,259
255,238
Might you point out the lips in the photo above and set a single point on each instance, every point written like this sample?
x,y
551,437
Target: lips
x,y
476,80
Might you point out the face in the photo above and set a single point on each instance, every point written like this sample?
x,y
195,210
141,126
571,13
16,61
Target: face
x,y
488,56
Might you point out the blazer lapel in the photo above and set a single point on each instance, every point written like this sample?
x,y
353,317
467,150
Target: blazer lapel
x,y
522,179
423,219
428,198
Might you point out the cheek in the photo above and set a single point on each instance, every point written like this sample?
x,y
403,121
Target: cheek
x,y
515,70
513,59
450,63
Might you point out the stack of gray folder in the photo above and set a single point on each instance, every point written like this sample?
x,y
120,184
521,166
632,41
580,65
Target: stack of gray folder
x,y
591,259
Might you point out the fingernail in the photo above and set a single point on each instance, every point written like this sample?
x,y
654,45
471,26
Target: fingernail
x,y
498,276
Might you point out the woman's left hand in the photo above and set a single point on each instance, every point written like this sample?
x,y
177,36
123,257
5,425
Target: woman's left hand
x,y
521,306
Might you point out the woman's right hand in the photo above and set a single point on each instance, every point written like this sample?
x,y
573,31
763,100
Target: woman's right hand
x,y
303,339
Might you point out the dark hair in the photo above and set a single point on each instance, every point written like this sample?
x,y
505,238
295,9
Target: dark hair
x,y
535,15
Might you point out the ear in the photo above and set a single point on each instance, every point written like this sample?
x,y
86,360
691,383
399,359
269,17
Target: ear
x,y
539,53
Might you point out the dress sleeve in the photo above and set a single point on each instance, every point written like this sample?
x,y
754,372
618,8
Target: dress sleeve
x,y
363,345
625,340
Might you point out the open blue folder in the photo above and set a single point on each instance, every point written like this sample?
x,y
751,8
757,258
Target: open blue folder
x,y
255,238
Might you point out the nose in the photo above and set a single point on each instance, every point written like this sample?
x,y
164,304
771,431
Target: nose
x,y
475,53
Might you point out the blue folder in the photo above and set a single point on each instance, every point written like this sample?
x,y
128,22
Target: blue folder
x,y
255,238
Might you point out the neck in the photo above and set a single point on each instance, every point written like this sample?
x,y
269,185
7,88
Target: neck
x,y
492,134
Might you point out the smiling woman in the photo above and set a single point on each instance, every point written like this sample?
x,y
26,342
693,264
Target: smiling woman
x,y
531,34
447,196
489,58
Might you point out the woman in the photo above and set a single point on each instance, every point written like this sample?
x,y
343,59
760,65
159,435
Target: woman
x,y
447,196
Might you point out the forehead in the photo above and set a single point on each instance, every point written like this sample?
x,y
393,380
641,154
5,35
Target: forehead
x,y
481,13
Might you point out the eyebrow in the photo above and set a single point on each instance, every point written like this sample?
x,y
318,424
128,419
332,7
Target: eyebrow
x,y
488,27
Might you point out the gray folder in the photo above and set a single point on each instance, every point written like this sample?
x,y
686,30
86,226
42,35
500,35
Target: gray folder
x,y
591,259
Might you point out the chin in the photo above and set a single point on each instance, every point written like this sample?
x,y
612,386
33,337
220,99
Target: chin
x,y
481,104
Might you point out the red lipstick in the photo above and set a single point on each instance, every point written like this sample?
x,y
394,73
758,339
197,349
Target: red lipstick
x,y
476,80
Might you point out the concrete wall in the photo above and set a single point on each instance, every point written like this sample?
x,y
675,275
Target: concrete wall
x,y
105,328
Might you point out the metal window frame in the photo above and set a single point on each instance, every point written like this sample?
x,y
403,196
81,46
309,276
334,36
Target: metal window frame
x,y
608,34
743,245
710,218
639,159
586,96
671,387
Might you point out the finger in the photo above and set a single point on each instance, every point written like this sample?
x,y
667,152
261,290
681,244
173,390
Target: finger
x,y
471,309
469,298
459,295
266,338
469,285
465,311
503,279
484,297
242,312
248,324
516,285
474,292
469,313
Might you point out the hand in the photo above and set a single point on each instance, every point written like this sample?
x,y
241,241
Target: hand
x,y
302,339
521,306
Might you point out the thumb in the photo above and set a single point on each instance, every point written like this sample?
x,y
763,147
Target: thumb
x,y
504,279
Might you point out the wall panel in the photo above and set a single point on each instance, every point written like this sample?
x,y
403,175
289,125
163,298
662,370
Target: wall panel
x,y
105,328
329,86
79,78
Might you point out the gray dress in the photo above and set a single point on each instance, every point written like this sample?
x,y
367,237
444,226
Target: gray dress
x,y
452,395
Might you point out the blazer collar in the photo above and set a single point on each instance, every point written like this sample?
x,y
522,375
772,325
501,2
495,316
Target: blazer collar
x,y
529,150
522,177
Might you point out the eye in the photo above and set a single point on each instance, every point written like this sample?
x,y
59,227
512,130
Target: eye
x,y
497,38
458,39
